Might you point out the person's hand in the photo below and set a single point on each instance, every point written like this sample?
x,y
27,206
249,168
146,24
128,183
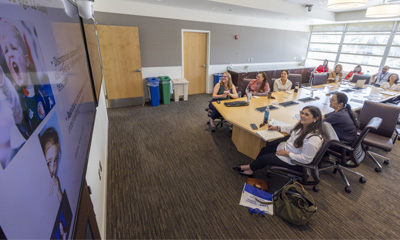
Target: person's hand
x,y
282,153
270,127
227,92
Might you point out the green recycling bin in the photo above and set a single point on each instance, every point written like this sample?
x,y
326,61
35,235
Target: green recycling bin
x,y
165,89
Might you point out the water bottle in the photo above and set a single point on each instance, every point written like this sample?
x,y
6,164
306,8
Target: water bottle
x,y
367,74
266,114
296,87
248,97
239,94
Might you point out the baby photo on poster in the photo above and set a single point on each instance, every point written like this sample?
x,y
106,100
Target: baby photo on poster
x,y
25,90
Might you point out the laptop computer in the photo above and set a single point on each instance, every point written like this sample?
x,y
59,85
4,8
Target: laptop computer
x,y
360,84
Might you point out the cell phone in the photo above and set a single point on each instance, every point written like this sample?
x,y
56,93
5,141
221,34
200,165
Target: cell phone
x,y
253,126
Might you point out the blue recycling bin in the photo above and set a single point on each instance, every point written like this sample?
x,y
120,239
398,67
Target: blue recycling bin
x,y
217,78
153,83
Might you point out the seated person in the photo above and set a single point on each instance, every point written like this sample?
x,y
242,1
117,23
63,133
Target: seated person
x,y
337,75
393,83
283,83
322,68
342,119
381,77
259,86
303,144
222,91
357,70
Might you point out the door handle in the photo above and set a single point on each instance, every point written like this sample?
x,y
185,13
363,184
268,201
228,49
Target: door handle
x,y
138,70
204,66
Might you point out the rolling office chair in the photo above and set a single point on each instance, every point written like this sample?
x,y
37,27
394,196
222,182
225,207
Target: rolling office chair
x,y
303,177
383,137
351,156
295,78
320,78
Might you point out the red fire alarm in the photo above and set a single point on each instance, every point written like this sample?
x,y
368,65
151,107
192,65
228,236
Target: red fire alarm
x,y
236,37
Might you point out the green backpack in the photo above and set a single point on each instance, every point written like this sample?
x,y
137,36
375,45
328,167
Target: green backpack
x,y
294,204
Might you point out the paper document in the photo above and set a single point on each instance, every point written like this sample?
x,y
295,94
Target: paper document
x,y
388,93
275,122
268,135
256,198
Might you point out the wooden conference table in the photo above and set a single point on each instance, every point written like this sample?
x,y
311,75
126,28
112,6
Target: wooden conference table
x,y
248,142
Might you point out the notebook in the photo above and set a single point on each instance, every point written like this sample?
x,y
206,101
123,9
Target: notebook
x,y
289,103
236,104
262,109
306,99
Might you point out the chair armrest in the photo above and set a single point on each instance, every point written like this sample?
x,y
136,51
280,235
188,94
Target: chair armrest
x,y
343,145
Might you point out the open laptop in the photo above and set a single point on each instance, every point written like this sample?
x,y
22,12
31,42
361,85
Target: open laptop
x,y
360,84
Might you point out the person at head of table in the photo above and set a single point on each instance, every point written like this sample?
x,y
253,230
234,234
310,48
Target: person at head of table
x,y
342,119
259,86
223,90
305,139
357,70
393,83
381,77
323,68
283,83
336,75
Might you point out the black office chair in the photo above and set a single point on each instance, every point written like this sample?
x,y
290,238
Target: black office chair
x,y
385,136
312,168
351,156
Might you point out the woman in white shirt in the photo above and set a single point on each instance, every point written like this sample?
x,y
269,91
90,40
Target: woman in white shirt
x,y
393,83
283,83
303,144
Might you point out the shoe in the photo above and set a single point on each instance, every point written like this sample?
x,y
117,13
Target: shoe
x,y
237,168
207,109
245,174
212,125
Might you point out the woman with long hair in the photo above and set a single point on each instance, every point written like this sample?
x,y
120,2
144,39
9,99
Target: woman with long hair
x,y
342,119
305,139
323,68
393,83
337,74
223,90
283,83
357,70
259,86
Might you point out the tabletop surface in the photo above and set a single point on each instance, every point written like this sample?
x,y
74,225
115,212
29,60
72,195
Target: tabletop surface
x,y
245,115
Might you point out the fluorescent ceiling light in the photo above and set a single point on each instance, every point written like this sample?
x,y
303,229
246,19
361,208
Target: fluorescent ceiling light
x,y
343,4
382,11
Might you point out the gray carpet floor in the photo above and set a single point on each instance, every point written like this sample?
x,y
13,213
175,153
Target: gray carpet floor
x,y
169,177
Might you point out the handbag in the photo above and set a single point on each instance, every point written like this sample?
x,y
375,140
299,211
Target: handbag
x,y
294,204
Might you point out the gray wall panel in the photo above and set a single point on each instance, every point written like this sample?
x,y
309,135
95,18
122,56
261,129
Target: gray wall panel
x,y
160,41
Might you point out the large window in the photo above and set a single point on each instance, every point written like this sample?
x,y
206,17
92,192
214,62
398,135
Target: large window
x,y
393,59
354,44
324,44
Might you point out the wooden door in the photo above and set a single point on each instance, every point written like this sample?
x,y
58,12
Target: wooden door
x,y
195,61
122,65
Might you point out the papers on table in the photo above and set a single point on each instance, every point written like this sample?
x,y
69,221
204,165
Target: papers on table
x,y
256,198
388,93
275,122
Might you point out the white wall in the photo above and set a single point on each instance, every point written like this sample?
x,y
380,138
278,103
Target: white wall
x,y
99,155
152,10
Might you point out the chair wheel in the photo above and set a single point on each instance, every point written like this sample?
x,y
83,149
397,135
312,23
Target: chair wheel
x,y
347,189
315,189
363,180
208,122
378,169
386,162
334,171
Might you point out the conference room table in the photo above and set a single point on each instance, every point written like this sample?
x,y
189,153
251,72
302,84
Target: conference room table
x,y
249,142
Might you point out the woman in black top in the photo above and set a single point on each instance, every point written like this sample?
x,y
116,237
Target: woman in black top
x,y
343,119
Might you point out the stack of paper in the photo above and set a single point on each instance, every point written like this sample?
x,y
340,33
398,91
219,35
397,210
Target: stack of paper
x,y
256,198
